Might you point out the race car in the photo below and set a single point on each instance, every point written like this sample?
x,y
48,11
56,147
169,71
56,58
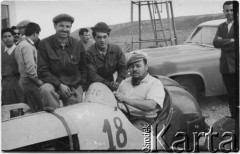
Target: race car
x,y
98,124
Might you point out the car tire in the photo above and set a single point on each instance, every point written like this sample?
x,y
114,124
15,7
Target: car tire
x,y
189,85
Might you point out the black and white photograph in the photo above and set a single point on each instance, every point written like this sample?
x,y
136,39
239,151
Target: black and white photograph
x,y
119,76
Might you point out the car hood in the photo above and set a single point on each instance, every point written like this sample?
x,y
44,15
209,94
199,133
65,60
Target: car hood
x,y
167,60
178,53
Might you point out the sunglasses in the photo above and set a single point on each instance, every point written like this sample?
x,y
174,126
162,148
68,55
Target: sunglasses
x,y
17,33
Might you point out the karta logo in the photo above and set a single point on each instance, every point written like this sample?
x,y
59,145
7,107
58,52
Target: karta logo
x,y
183,143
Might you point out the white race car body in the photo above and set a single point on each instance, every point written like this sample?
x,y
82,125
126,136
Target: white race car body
x,y
98,124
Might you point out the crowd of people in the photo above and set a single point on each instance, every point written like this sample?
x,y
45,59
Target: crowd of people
x,y
55,71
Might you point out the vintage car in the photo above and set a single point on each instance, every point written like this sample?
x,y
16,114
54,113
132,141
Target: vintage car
x,y
194,65
98,124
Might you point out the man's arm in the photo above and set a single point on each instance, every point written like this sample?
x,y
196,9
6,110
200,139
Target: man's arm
x,y
154,97
220,42
83,65
121,67
144,105
43,67
28,58
92,71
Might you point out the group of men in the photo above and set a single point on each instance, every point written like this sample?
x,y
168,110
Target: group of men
x,y
55,71
60,68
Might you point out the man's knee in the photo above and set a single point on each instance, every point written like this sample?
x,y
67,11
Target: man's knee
x,y
49,96
46,88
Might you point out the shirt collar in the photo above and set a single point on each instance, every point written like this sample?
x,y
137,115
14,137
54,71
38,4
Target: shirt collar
x,y
30,41
146,78
59,44
10,50
96,51
229,22
101,51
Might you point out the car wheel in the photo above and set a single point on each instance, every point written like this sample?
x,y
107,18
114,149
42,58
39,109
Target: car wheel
x,y
189,85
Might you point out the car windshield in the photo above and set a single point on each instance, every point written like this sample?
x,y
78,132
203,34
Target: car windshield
x,y
203,35
100,93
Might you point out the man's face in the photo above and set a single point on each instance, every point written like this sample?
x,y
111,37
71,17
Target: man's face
x,y
85,37
36,36
138,69
101,40
63,28
8,39
228,11
16,35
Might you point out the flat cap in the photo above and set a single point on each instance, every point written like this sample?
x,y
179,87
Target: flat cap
x,y
63,17
23,23
101,27
135,58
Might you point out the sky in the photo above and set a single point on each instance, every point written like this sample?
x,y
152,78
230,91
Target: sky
x,y
88,12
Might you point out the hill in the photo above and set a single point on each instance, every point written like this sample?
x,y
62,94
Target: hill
x,y
121,33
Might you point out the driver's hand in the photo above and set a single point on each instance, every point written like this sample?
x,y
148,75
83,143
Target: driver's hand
x,y
120,97
65,90
114,85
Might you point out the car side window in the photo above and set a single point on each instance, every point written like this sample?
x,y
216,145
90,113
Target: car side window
x,y
204,35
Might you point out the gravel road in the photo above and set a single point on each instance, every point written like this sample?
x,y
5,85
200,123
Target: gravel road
x,y
214,108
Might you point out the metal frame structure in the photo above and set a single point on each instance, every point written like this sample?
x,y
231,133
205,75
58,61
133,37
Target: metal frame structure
x,y
156,22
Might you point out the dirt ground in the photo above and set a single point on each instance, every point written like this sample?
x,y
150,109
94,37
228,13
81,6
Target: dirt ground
x,y
214,108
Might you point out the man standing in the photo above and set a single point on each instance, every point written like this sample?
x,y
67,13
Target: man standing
x,y
62,65
85,38
104,58
224,39
11,92
141,93
26,56
17,35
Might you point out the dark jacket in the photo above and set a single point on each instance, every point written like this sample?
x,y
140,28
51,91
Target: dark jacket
x,y
227,59
58,64
102,69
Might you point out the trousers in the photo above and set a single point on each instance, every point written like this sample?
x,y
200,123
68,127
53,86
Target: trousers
x,y
51,98
11,91
31,94
229,80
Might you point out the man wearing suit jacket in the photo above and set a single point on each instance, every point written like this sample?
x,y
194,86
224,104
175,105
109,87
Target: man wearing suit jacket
x,y
224,39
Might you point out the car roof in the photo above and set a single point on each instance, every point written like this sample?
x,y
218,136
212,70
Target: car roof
x,y
212,22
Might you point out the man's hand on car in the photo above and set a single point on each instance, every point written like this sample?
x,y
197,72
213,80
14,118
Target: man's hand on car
x,y
65,90
120,97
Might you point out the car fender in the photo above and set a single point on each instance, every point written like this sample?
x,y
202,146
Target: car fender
x,y
188,74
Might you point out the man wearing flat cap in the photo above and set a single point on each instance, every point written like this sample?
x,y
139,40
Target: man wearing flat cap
x,y
104,58
141,93
61,65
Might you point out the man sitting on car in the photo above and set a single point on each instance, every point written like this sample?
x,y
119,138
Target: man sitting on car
x,y
141,93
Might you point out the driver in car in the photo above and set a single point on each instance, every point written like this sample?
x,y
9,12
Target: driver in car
x,y
141,93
